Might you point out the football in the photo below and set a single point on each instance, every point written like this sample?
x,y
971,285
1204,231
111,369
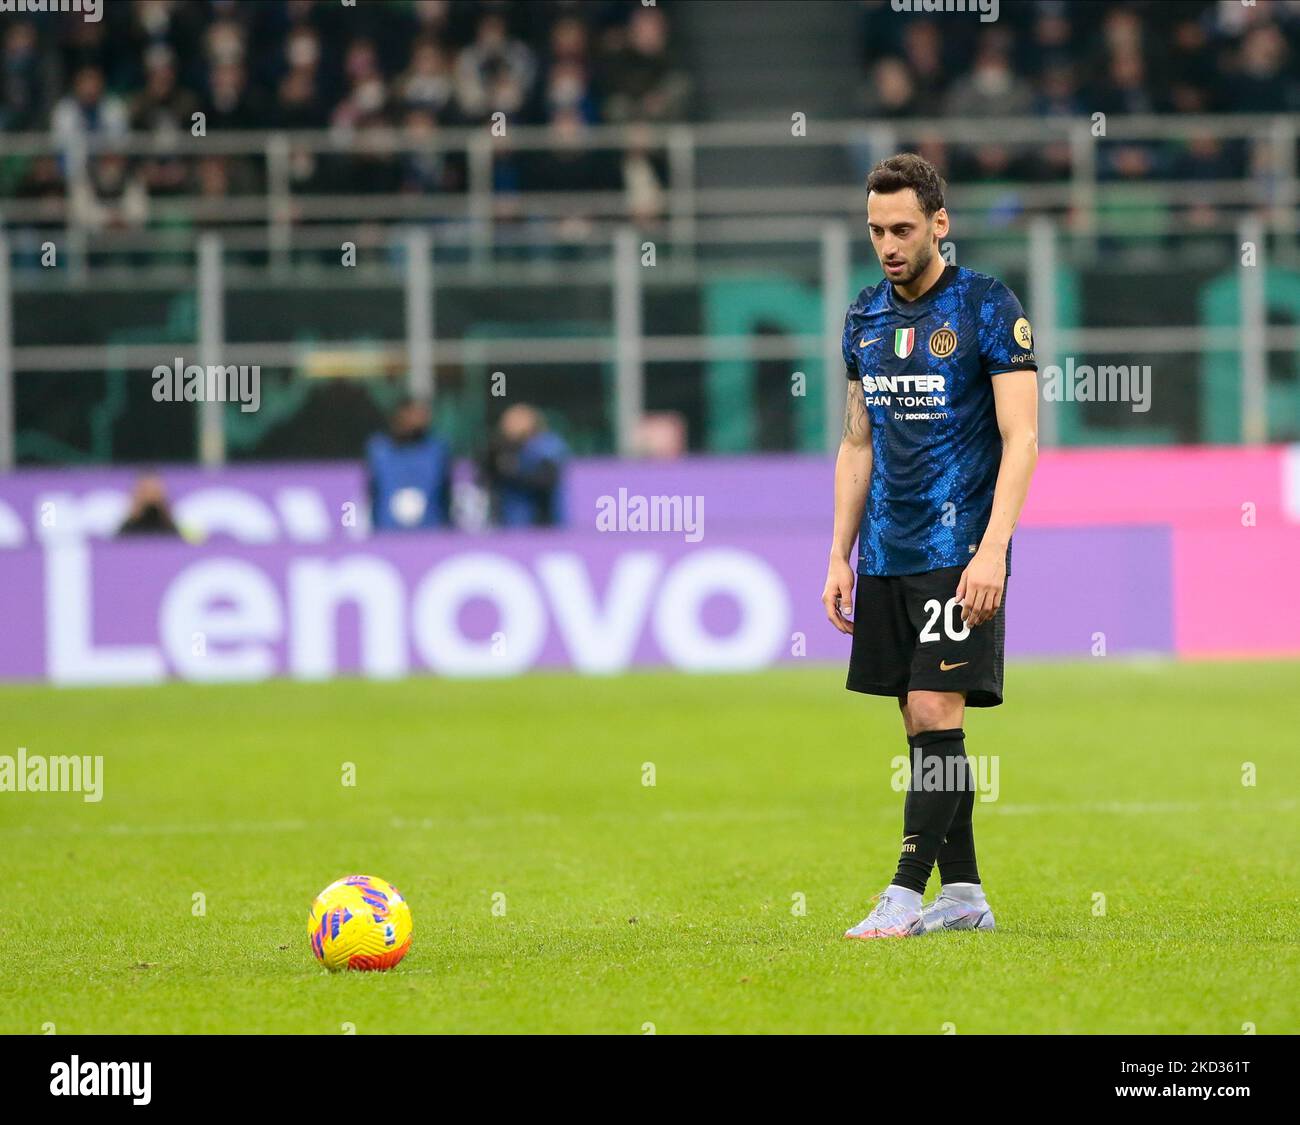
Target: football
x,y
359,922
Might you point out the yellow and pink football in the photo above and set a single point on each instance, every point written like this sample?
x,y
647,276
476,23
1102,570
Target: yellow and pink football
x,y
359,922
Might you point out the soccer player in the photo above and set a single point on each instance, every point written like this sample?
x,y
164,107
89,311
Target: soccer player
x,y
939,445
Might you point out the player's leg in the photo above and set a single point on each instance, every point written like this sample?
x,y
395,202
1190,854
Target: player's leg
x,y
937,785
957,866
880,664
970,659
929,718
940,753
952,657
957,852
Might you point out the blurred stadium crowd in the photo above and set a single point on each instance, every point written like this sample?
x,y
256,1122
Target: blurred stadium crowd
x,y
1076,58
424,65
149,65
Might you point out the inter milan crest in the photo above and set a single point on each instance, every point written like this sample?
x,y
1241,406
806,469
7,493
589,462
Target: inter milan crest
x,y
943,342
904,338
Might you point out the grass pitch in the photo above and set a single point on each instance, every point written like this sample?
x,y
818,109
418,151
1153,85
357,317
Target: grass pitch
x,y
675,906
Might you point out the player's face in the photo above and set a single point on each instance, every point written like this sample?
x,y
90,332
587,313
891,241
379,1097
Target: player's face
x,y
904,238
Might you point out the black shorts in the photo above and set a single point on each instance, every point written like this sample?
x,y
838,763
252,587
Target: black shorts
x,y
908,635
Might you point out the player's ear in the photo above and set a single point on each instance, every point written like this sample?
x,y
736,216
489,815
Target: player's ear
x,y
941,222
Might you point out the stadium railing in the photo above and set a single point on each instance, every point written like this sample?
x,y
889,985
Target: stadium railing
x,y
1268,178
740,294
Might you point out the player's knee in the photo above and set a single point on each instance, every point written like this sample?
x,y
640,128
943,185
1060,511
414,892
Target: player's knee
x,y
934,710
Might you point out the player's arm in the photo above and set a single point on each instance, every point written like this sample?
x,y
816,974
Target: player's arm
x,y
1015,397
852,480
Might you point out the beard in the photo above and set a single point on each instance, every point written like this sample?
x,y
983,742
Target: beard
x,y
917,267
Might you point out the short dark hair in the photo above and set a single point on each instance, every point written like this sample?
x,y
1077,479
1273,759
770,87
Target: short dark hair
x,y
907,170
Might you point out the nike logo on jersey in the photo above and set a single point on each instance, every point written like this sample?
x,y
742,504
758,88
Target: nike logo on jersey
x,y
866,342
944,666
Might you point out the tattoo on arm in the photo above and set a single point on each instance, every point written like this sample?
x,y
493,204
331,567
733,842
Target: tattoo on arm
x,y
856,424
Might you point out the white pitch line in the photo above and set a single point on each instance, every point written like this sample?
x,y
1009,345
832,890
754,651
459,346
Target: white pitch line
x,y
1141,808
253,827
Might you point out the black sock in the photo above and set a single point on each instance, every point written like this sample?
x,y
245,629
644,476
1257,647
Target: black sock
x,y
939,768
957,856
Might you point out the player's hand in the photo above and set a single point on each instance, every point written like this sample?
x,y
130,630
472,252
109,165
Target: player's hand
x,y
837,597
980,590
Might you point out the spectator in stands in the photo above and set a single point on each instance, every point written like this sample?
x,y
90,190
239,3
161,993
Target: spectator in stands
x,y
1263,83
112,196
224,42
1058,96
82,43
1058,93
645,177
992,88
150,512
299,103
1125,88
432,17
425,64
24,79
367,94
88,110
891,92
569,42
506,92
523,470
567,88
424,168
43,180
1053,33
409,472
163,107
492,65
923,50
641,82
372,163
1195,83
298,106
428,84
171,25
232,103
568,165
166,111
567,83
1201,157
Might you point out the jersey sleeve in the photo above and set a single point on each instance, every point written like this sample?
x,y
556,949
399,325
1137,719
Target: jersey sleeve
x,y
847,349
1006,339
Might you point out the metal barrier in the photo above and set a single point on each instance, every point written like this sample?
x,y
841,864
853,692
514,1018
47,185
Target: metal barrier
x,y
827,254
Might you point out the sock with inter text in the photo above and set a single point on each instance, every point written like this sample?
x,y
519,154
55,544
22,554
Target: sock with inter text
x,y
936,788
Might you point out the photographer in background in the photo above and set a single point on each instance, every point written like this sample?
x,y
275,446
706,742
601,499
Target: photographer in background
x,y
150,512
409,472
523,470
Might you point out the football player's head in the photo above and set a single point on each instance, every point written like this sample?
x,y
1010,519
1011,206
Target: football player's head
x,y
905,215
